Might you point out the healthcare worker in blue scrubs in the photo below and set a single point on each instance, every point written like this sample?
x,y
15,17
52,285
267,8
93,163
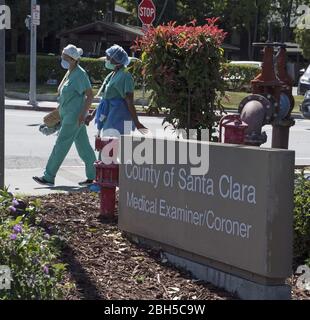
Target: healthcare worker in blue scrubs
x,y
117,103
75,99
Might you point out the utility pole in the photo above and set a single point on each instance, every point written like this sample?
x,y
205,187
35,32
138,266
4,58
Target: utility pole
x,y
33,56
2,88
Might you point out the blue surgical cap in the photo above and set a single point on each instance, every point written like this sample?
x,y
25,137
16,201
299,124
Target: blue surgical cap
x,y
117,53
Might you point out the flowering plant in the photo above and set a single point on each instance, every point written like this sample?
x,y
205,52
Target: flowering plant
x,y
29,251
302,219
182,66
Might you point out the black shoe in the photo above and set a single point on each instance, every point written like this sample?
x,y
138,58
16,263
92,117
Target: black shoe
x,y
86,182
42,181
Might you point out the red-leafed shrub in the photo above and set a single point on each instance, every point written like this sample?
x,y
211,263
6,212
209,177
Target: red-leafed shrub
x,y
182,65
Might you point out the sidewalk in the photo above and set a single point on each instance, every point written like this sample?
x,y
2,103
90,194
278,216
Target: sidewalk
x,y
19,181
15,104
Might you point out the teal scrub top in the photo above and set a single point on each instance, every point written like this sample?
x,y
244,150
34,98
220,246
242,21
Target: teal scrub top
x,y
72,95
119,85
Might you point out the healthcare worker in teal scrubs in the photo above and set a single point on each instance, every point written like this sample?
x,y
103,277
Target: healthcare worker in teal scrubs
x,y
117,103
75,99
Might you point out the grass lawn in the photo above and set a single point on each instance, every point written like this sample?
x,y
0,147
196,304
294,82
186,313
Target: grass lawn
x,y
233,103
24,88
236,97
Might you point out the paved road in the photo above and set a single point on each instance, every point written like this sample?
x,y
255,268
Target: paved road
x,y
26,147
27,150
299,140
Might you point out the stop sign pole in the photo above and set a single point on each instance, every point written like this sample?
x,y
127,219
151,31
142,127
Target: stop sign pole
x,y
2,85
147,13
35,21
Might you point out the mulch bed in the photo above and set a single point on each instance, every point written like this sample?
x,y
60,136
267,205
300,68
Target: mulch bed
x,y
103,264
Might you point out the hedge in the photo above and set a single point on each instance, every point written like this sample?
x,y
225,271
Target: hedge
x,y
10,71
49,66
302,220
238,76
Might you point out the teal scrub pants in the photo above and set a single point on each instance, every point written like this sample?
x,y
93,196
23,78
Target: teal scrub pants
x,y
68,134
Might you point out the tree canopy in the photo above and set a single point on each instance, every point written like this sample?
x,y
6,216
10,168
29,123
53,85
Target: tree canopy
x,y
248,17
58,16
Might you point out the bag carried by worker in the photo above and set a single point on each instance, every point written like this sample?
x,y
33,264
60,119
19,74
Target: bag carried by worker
x,y
52,119
47,131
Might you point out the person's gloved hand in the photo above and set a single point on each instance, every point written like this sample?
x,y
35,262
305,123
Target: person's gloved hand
x,y
142,129
49,131
89,118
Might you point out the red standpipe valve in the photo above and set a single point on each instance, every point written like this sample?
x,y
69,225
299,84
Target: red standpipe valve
x,y
107,177
234,129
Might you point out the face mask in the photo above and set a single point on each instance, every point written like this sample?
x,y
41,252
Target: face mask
x,y
65,64
109,65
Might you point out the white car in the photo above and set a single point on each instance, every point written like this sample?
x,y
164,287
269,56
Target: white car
x,y
251,63
304,82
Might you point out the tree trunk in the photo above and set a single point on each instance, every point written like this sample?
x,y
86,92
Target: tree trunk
x,y
250,55
287,21
14,42
255,30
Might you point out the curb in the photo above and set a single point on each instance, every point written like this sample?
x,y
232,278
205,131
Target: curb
x,y
24,108
294,115
298,116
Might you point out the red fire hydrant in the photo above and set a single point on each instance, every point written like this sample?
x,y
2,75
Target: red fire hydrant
x,y
101,143
234,129
107,177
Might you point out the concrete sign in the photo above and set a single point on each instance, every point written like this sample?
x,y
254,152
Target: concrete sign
x,y
238,216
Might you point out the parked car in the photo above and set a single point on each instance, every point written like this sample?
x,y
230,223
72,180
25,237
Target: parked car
x,y
304,82
251,63
305,106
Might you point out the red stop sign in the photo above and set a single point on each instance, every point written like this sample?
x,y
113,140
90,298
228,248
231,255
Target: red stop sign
x,y
147,11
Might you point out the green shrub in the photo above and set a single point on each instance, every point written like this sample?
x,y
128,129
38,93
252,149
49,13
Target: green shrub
x,y
302,37
10,71
29,252
182,66
302,219
137,72
22,68
238,76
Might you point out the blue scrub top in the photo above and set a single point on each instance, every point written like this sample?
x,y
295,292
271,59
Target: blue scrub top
x,y
113,111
